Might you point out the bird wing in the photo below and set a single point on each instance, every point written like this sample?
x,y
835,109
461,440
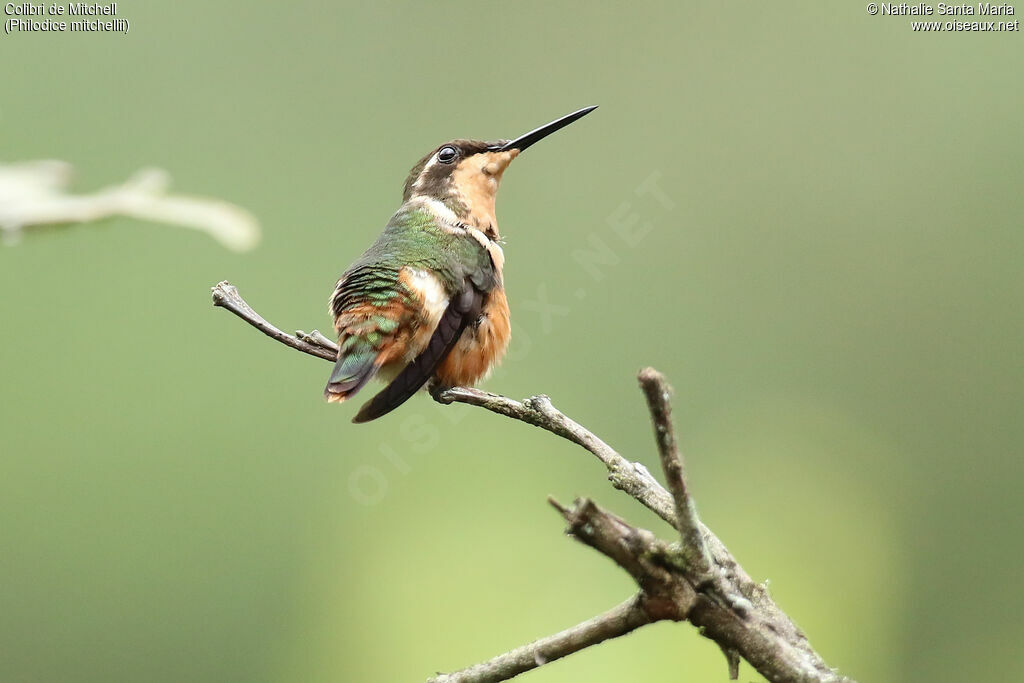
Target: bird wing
x,y
461,311
373,314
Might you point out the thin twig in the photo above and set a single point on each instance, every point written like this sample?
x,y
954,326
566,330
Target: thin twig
x,y
616,622
630,477
657,391
694,551
317,339
226,296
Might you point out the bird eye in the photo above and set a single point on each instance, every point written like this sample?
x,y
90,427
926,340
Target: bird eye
x,y
447,155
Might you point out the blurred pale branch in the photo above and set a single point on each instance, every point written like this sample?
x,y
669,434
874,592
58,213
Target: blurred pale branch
x,y
34,194
695,579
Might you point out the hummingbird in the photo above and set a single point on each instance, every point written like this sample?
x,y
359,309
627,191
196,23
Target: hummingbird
x,y
426,302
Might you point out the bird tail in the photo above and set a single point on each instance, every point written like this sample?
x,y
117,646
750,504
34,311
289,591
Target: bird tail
x,y
350,374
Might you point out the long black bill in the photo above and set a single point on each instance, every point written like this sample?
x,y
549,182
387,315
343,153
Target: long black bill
x,y
524,141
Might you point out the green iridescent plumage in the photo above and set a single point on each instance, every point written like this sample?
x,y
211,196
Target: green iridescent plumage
x,y
415,238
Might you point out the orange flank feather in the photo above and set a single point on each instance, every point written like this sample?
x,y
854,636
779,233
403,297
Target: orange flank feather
x,y
480,347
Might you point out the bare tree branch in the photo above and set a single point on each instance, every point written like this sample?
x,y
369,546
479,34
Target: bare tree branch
x,y
697,580
629,477
226,296
669,591
616,622
34,194
694,551
658,392
664,592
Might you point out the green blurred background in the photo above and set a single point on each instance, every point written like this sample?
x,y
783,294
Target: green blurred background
x,y
832,283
